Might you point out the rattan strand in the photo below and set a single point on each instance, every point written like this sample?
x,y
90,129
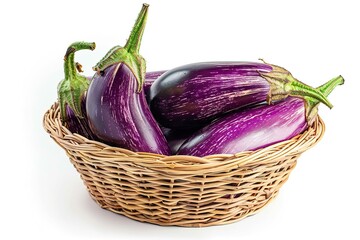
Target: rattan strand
x,y
181,190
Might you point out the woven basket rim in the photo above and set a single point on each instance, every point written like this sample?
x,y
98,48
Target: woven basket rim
x,y
178,164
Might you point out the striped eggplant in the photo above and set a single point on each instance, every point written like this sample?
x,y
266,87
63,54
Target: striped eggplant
x,y
257,127
72,92
150,78
194,94
116,107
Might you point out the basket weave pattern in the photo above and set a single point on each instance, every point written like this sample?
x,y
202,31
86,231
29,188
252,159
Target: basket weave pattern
x,y
181,190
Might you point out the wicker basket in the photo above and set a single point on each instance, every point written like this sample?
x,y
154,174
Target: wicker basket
x,y
181,190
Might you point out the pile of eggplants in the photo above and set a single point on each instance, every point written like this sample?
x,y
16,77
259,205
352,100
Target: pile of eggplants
x,y
198,109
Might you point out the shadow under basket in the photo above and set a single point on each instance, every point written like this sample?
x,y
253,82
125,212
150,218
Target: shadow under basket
x,y
181,190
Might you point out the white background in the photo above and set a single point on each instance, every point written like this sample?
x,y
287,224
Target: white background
x,y
42,195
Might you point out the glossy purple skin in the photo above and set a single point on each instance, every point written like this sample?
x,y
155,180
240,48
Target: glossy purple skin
x,y
150,78
248,129
175,138
119,115
191,95
79,125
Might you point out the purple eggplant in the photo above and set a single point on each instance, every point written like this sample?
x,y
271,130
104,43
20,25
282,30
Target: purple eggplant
x,y
175,138
72,92
150,78
116,107
194,94
257,127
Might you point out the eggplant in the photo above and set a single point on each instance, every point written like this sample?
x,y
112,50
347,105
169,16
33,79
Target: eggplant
x,y
175,138
189,96
150,78
258,127
117,110
72,92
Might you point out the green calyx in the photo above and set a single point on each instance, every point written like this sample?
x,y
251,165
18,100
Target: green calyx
x,y
73,87
129,54
283,84
311,105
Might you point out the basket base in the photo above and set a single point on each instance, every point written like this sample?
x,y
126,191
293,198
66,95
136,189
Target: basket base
x,y
190,223
219,211
190,211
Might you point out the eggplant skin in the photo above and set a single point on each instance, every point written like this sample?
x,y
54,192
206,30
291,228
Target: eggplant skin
x,y
79,125
175,138
192,95
249,129
119,115
76,124
150,78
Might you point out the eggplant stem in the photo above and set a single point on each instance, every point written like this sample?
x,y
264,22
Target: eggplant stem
x,y
312,105
72,88
129,54
70,68
330,85
300,89
134,41
283,84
